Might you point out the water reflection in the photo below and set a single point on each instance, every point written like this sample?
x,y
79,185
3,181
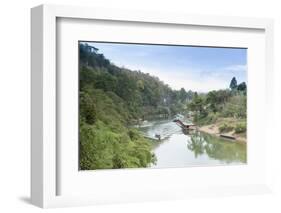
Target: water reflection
x,y
216,148
188,148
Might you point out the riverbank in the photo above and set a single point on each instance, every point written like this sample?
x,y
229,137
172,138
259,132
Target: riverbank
x,y
213,129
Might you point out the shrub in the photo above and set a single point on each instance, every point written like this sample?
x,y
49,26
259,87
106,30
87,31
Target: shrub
x,y
226,127
235,107
212,118
240,127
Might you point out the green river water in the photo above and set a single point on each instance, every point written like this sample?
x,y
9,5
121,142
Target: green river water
x,y
194,148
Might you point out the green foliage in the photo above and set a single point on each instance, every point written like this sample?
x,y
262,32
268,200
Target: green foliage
x,y
106,146
207,108
102,148
216,100
225,128
197,103
241,127
236,107
198,106
209,119
87,107
242,86
182,95
233,83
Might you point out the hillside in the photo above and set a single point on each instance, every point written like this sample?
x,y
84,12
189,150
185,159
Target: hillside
x,y
111,99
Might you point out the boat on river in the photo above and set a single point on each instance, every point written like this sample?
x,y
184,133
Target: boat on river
x,y
227,136
156,137
184,125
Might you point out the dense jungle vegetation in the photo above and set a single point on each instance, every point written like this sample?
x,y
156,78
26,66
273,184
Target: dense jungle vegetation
x,y
112,99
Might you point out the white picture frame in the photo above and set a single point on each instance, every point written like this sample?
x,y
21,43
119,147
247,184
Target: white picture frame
x,y
45,172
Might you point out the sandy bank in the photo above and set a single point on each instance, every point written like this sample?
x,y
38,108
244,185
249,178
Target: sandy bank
x,y
213,129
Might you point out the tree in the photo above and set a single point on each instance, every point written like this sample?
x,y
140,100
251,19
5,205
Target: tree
x,y
189,95
140,85
242,87
217,99
212,100
197,105
233,83
87,107
183,94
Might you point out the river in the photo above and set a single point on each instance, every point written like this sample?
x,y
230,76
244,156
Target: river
x,y
194,148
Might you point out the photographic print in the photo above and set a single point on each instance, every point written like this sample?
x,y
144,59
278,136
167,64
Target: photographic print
x,y
161,106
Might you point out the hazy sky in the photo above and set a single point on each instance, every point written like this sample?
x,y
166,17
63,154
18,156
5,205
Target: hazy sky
x,y
197,68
